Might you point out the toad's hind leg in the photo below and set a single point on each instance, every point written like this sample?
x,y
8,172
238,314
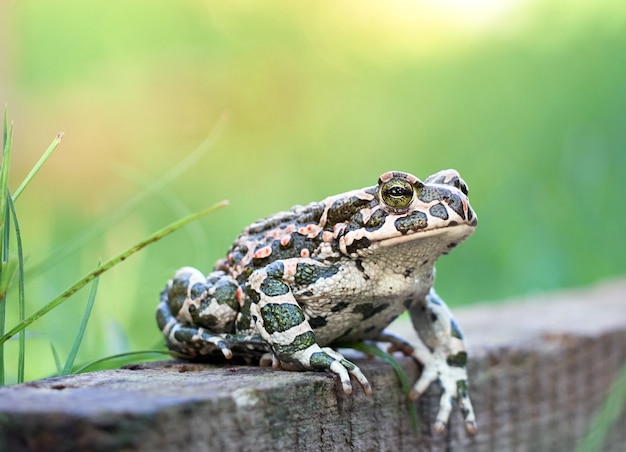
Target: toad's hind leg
x,y
196,313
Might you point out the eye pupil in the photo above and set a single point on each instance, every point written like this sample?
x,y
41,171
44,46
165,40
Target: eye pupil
x,y
399,191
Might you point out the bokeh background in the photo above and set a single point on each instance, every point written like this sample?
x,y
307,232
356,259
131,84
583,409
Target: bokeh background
x,y
168,107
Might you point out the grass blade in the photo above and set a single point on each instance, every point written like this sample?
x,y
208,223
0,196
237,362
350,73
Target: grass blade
x,y
106,266
5,123
20,293
57,360
6,272
4,169
38,165
404,381
67,369
606,417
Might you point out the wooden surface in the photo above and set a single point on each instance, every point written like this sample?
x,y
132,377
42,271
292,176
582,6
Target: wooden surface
x,y
539,369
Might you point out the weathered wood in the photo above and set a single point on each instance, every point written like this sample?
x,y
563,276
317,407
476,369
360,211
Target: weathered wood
x,y
539,370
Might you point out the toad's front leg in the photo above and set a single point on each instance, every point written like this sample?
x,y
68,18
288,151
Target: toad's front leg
x,y
441,351
281,322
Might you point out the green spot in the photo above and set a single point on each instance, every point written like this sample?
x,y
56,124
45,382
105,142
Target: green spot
x,y
321,361
184,335
207,321
412,222
301,342
226,293
275,269
376,220
252,294
455,204
244,318
273,287
176,294
347,364
197,290
458,360
281,317
439,211
461,389
309,273
429,194
343,209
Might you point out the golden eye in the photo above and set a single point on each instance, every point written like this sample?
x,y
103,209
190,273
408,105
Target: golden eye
x,y
397,193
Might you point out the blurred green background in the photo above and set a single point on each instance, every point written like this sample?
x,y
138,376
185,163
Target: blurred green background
x,y
168,107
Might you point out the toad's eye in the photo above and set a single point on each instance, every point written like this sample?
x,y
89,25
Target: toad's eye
x,y
397,193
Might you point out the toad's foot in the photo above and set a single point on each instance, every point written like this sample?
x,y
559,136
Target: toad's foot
x,y
327,359
452,377
449,371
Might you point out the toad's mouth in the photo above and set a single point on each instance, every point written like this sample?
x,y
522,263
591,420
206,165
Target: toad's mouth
x,y
458,233
434,241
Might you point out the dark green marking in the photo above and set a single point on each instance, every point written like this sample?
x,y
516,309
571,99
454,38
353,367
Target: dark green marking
x,y
429,194
376,220
439,211
207,321
163,315
278,318
344,209
458,360
340,306
185,334
226,293
273,287
275,269
358,244
244,318
309,273
455,204
321,361
368,310
412,222
317,322
347,364
461,388
300,342
176,294
252,294
197,290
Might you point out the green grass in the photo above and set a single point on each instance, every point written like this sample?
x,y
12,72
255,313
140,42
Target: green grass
x,y
606,417
13,266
